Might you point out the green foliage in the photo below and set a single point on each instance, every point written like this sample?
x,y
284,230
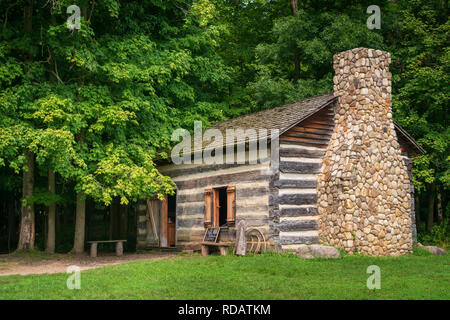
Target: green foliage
x,y
267,276
44,197
98,104
421,96
439,235
267,64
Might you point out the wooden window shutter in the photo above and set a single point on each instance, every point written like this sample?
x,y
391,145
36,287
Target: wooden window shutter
x,y
216,208
231,205
207,221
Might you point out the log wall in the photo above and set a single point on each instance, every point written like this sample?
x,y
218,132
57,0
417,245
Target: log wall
x,y
252,197
293,189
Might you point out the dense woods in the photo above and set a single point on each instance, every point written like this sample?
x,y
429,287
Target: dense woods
x,y
86,113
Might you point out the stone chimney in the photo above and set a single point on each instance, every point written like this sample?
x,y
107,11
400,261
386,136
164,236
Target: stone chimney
x,y
364,188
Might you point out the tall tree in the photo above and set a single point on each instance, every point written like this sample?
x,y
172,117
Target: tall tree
x,y
294,9
111,92
431,196
27,224
80,214
51,232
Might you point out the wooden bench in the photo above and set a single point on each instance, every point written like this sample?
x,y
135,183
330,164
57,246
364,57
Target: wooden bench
x,y
119,246
222,247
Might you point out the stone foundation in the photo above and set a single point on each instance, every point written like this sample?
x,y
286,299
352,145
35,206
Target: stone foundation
x,y
363,188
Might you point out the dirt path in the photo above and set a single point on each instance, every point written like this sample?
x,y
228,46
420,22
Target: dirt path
x,y
10,265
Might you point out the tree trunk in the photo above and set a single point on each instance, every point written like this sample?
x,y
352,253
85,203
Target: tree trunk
x,y
58,226
27,224
105,224
114,219
123,221
111,220
417,209
27,235
50,246
439,206
294,6
28,24
431,207
11,224
294,10
80,216
28,16
296,66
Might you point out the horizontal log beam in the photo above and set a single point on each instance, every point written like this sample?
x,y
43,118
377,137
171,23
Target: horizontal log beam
x,y
325,123
295,141
225,179
299,167
251,192
204,168
298,212
296,225
295,184
298,240
190,222
312,137
309,124
245,208
194,197
306,129
307,198
304,153
189,208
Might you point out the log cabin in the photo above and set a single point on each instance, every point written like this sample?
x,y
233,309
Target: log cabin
x,y
338,172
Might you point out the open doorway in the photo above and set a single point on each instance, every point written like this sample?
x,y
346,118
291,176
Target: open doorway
x,y
168,222
171,219
220,207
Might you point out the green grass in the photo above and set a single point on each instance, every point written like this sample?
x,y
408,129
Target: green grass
x,y
268,276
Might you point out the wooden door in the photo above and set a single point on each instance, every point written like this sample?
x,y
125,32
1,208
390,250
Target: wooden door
x,y
164,223
171,234
153,222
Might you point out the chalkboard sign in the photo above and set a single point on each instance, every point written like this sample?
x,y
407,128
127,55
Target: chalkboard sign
x,y
211,235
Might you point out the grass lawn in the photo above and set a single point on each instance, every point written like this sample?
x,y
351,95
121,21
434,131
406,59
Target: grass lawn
x,y
268,276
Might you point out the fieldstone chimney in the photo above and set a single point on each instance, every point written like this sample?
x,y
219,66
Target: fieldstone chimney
x,y
364,188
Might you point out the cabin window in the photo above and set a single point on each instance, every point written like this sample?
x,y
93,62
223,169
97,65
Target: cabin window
x,y
220,203
220,208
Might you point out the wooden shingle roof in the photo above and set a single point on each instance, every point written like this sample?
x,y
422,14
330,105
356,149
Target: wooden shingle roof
x,y
282,118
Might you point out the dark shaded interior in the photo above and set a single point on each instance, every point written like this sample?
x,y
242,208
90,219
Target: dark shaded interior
x,y
171,208
222,206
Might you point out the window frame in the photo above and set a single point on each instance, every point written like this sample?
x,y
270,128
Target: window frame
x,y
212,208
